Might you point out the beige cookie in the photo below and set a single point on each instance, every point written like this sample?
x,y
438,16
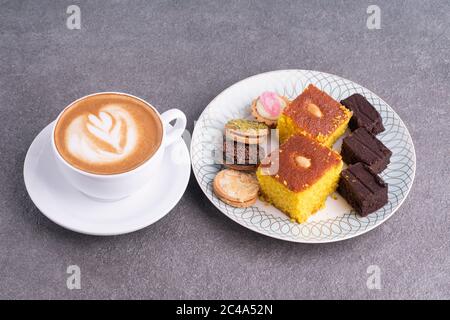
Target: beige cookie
x,y
272,123
246,131
236,188
239,204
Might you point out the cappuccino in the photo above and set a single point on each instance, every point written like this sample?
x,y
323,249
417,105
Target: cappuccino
x,y
108,133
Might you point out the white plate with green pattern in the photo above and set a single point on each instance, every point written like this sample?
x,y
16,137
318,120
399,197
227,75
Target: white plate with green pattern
x,y
337,221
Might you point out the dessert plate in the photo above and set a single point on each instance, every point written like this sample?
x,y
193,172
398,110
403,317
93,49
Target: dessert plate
x,y
337,221
71,209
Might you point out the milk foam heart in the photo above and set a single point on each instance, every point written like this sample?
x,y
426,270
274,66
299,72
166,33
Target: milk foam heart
x,y
109,136
108,133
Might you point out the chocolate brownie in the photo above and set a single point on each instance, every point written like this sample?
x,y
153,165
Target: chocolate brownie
x,y
362,146
363,189
364,114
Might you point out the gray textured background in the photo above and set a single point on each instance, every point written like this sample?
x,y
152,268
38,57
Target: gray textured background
x,y
182,54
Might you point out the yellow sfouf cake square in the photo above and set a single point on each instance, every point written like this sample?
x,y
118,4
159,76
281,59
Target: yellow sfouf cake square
x,y
307,173
315,114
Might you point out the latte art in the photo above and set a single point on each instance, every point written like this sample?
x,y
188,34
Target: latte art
x,y
108,133
109,136
105,129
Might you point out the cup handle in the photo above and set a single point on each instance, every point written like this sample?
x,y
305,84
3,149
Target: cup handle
x,y
172,134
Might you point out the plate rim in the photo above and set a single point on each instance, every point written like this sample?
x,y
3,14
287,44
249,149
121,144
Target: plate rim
x,y
32,196
274,236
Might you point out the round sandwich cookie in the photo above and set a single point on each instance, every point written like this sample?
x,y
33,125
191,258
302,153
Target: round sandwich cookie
x,y
268,107
246,131
242,156
236,188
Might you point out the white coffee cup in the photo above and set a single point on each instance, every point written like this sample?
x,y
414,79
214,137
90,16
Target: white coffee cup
x,y
117,186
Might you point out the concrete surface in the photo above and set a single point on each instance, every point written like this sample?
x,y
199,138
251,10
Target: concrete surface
x,y
182,54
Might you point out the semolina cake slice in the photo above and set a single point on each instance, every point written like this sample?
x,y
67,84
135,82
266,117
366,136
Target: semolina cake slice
x,y
315,114
307,173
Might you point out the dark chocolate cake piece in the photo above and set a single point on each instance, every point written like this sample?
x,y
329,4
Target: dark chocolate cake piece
x,y
241,156
364,114
363,189
362,146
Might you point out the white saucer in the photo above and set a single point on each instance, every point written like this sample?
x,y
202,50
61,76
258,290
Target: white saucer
x,y
71,209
